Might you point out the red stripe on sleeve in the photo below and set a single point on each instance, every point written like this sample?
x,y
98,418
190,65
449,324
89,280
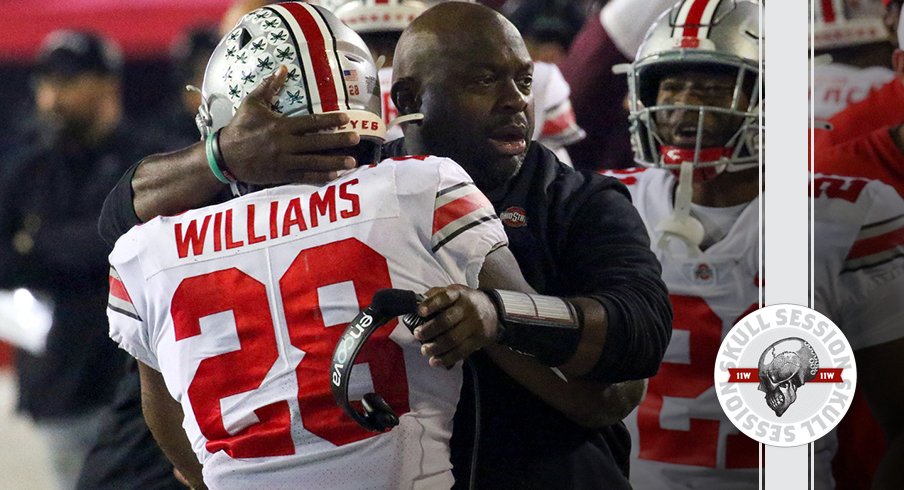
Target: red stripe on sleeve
x,y
876,244
118,290
316,40
558,124
458,208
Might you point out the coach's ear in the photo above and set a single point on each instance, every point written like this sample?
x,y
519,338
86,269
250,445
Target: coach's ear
x,y
406,95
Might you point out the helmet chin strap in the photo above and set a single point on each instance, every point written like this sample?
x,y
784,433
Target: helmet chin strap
x,y
414,116
681,225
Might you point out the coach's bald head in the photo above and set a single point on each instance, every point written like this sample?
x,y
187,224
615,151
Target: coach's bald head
x,y
466,68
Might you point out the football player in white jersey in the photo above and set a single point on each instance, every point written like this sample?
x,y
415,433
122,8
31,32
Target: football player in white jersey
x,y
695,93
854,34
381,22
234,310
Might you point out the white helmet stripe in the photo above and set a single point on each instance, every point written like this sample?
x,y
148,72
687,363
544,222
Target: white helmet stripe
x,y
320,74
694,18
292,28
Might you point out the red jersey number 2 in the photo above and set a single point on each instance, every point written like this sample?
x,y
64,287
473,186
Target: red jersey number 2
x,y
697,446
232,290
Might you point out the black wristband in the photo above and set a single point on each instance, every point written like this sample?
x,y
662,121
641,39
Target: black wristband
x,y
218,157
545,327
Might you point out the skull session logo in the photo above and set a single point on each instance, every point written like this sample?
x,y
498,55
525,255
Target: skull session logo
x,y
785,375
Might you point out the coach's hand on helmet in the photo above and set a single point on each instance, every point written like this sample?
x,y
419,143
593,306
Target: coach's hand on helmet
x,y
260,146
465,321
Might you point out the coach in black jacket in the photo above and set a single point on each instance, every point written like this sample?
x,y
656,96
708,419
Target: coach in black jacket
x,y
575,235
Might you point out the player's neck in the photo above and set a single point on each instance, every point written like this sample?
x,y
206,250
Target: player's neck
x,y
727,189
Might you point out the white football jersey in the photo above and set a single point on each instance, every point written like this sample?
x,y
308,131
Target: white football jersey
x,y
239,306
681,438
835,86
554,121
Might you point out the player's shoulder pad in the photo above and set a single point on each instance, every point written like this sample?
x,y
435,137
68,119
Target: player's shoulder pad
x,y
425,164
130,245
869,201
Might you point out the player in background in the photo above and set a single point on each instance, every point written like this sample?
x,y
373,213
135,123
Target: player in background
x,y
380,23
695,94
598,94
193,296
866,138
854,34
865,141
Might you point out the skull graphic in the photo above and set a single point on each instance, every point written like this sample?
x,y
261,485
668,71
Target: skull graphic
x,y
784,367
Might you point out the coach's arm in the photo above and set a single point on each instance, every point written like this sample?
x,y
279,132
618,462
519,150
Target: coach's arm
x,y
469,321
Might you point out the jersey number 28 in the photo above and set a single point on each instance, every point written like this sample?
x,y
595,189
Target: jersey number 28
x,y
244,370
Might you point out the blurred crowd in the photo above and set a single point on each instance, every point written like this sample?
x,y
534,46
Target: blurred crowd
x,y
62,156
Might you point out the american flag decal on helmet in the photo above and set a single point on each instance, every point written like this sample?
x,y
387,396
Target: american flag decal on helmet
x,y
119,300
457,209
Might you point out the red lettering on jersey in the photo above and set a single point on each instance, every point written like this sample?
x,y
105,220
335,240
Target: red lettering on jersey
x,y
832,95
351,197
217,230
293,216
252,238
679,380
274,206
191,237
233,290
389,109
323,205
835,188
230,243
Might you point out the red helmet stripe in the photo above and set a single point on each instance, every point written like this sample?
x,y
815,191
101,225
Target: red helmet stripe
x,y
828,11
694,17
316,38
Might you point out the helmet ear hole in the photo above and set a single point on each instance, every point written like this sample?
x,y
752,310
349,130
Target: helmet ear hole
x,y
244,38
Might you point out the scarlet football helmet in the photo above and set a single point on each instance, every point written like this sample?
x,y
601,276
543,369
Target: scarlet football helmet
x,y
330,70
705,35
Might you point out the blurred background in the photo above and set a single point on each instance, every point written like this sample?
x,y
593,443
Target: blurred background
x,y
146,31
